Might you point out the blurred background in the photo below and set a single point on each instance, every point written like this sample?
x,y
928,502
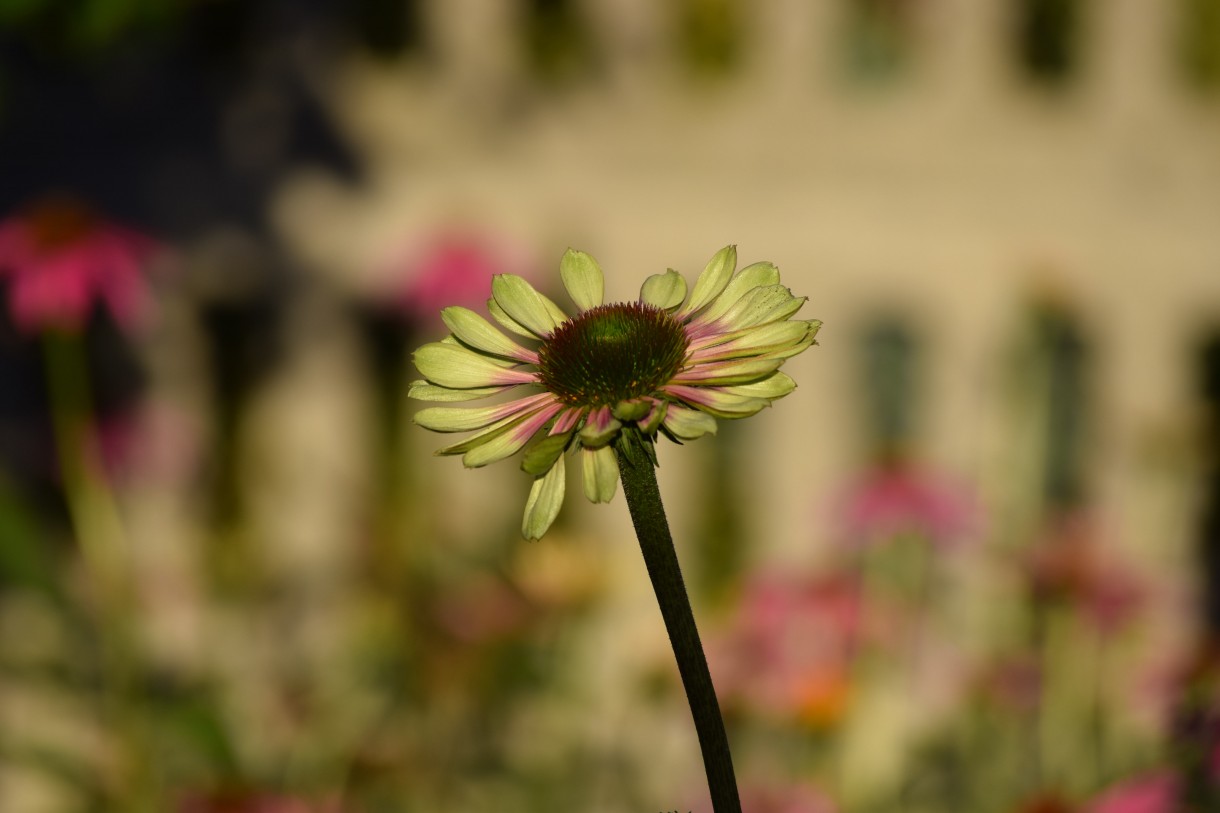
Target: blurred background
x,y
971,564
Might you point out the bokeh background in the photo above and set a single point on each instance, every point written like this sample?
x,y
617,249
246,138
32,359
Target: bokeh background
x,y
971,564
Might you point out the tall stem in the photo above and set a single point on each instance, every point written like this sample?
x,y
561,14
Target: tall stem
x,y
648,516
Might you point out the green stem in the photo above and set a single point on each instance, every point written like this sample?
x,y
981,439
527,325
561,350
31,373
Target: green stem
x,y
648,516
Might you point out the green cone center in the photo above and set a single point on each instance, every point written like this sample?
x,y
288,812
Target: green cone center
x,y
612,353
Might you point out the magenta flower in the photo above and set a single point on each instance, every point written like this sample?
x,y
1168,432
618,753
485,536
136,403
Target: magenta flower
x,y
788,653
61,261
1153,793
900,499
455,268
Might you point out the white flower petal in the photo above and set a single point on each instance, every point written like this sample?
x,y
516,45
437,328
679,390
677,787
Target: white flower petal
x,y
712,281
665,291
685,423
523,304
477,332
583,279
600,470
546,497
452,365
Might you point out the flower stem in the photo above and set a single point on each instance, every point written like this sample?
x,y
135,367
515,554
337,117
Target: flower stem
x,y
648,516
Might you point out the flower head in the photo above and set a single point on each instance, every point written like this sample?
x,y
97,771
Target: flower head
x,y
666,364
61,261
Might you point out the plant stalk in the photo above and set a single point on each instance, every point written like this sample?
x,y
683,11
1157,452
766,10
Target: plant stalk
x,y
639,480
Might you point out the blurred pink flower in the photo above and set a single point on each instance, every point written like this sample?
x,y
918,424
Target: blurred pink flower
x,y
61,261
454,267
1153,793
898,499
792,799
788,649
1070,566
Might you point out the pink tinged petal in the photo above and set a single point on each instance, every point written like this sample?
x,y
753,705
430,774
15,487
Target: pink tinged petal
x,y
582,278
475,331
712,281
687,424
546,497
426,391
600,473
737,371
599,429
567,420
652,421
506,321
460,419
510,442
753,342
451,365
523,304
757,275
665,291
716,401
54,293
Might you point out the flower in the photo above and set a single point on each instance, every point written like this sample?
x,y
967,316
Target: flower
x,y
665,364
62,261
899,498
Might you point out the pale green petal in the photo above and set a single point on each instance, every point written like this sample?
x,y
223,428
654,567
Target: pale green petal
x,y
523,304
600,473
776,385
633,410
687,424
477,332
424,391
505,444
712,281
760,306
738,371
757,275
650,422
799,347
557,313
479,438
464,419
451,365
543,454
546,496
755,341
665,291
717,401
583,279
491,359
506,321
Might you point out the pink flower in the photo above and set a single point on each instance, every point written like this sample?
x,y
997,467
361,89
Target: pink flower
x,y
61,262
455,267
1153,793
788,652
899,499
792,799
1071,566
